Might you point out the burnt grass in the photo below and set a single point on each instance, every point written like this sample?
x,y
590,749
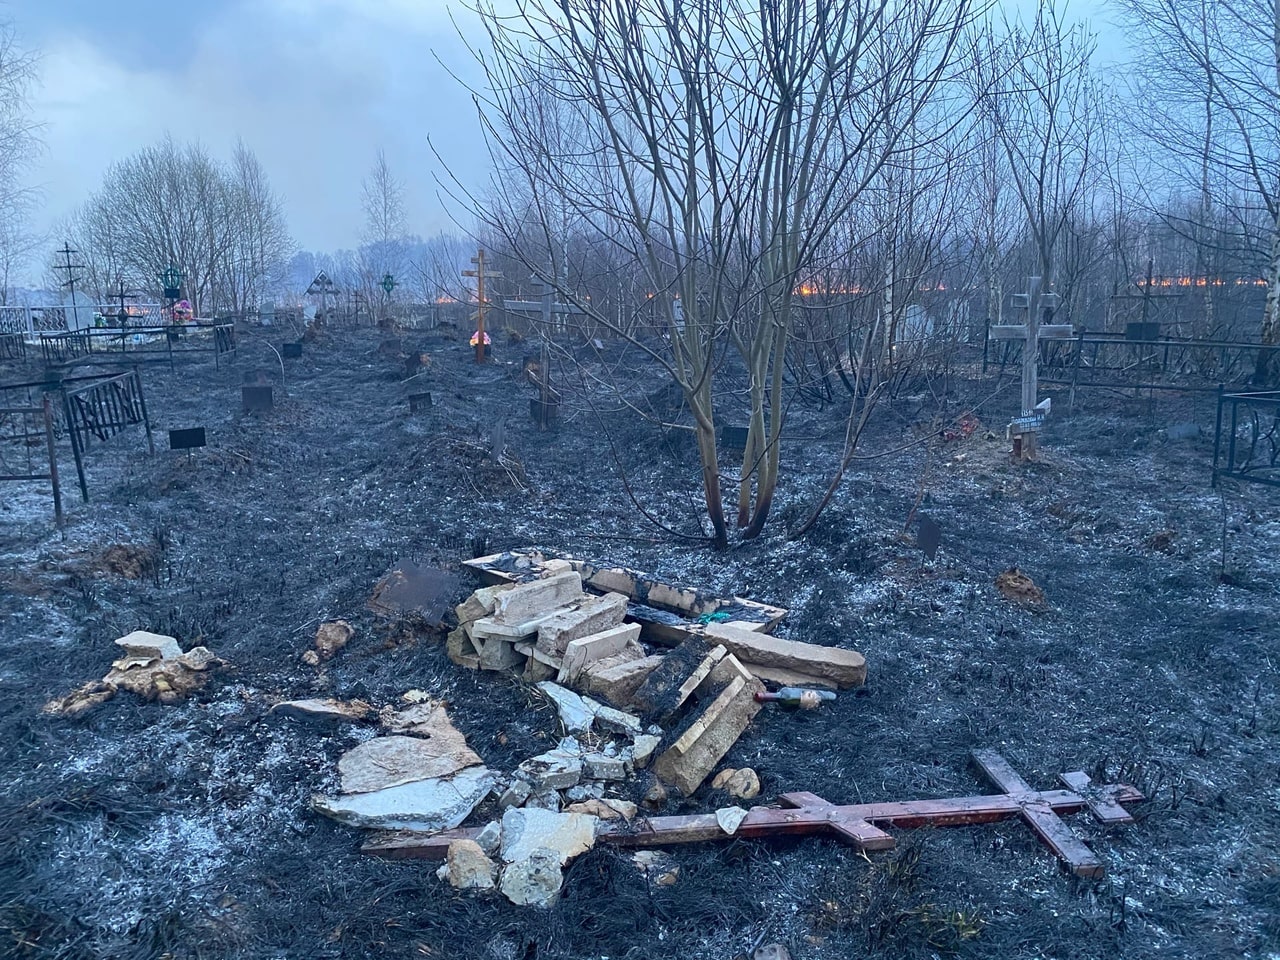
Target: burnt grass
x,y
143,830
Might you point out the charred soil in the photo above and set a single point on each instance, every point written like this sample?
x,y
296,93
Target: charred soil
x,y
149,830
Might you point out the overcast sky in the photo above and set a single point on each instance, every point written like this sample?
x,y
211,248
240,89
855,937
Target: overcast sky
x,y
314,87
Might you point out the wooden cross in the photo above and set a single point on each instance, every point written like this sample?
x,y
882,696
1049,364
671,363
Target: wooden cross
x,y
481,275
859,824
1023,428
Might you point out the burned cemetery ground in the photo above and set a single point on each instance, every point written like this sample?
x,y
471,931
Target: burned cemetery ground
x,y
143,830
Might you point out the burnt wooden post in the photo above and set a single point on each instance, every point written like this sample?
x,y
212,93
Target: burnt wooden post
x,y
802,813
545,309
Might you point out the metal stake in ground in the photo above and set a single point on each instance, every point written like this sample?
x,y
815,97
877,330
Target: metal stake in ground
x,y
859,824
481,275
544,308
1023,429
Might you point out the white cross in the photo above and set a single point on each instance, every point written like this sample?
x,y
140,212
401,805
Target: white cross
x,y
1031,333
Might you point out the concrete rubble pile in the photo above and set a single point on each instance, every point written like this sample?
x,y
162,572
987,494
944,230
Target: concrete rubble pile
x,y
152,666
637,720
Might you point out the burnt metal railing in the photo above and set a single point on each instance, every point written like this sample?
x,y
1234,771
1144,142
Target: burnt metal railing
x,y
87,408
13,346
1246,442
110,344
1122,362
28,427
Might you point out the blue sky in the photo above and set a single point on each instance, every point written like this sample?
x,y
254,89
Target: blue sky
x,y
314,87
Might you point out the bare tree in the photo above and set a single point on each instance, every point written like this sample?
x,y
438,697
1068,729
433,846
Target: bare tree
x,y
1043,104
716,144
1217,66
18,144
384,249
170,204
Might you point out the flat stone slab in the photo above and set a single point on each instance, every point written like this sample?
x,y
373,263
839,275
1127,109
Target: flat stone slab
x,y
525,831
591,616
391,761
142,644
322,709
424,805
847,668
529,600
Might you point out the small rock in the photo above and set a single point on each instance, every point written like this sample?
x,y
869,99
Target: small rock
x,y
605,809
597,766
1015,585
743,784
645,746
656,795
771,951
515,795
311,658
730,818
585,791
332,636
327,709
534,881
490,837
469,868
556,769
546,799
576,716
617,720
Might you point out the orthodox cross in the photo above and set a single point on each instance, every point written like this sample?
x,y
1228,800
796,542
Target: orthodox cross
x,y
1023,428
481,276
860,824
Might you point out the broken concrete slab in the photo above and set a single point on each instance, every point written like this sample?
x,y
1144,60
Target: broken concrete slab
x,y
423,805
534,881
574,712
791,678
525,831
597,646
618,721
556,769
429,719
617,681
327,709
391,761
593,615
141,645
461,650
468,868
847,668
480,604
643,749
515,795
537,597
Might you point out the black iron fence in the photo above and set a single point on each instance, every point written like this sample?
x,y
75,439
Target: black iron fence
x,y
27,443
164,342
1246,442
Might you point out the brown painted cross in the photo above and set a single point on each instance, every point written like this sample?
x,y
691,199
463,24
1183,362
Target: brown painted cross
x,y
860,824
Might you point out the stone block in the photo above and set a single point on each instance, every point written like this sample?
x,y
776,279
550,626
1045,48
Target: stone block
x,y
423,805
468,866
846,668
597,646
591,616
616,681
525,831
528,600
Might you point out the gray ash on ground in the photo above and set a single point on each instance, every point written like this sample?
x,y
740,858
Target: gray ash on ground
x,y
143,830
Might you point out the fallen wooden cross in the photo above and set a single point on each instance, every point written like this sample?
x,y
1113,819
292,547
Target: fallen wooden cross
x,y
859,824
